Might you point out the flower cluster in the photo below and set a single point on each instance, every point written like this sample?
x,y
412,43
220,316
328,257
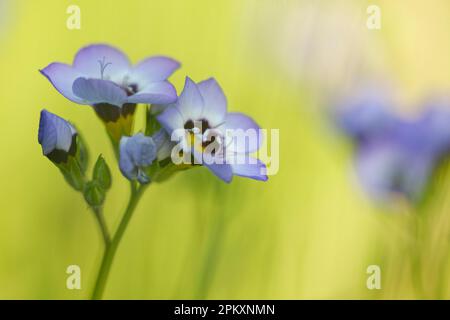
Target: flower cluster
x,y
194,126
103,77
394,155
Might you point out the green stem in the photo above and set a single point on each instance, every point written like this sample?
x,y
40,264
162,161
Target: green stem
x,y
115,147
213,249
210,261
416,255
442,281
102,224
111,248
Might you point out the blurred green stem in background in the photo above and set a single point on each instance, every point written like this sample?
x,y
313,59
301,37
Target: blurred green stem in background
x,y
418,225
443,222
111,247
211,258
441,286
214,244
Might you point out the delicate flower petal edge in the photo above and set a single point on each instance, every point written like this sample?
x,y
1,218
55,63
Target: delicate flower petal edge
x,y
237,123
171,119
101,61
154,69
126,166
136,153
62,76
222,171
55,133
93,91
162,92
215,101
256,170
190,103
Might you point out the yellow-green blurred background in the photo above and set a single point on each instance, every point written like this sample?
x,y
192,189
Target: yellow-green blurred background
x,y
309,232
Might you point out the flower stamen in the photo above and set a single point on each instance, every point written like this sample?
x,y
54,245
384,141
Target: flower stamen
x,y
103,65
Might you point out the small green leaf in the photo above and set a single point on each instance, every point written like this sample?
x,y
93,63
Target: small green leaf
x,y
102,174
94,194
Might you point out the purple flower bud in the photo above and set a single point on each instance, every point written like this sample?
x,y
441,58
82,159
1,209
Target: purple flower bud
x,y
56,136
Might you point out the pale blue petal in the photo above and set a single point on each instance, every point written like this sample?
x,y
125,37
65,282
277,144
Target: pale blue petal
x,y
216,164
366,115
163,144
386,168
62,77
153,69
126,165
190,103
242,133
102,61
141,149
249,167
435,125
136,153
155,93
55,133
222,171
93,91
171,119
215,102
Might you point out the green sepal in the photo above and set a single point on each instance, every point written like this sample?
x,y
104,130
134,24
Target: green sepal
x,y
82,154
73,173
101,174
94,194
74,167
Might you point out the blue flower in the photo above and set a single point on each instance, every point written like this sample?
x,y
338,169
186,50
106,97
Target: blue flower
x,y
200,114
391,166
396,156
101,74
366,115
136,154
57,137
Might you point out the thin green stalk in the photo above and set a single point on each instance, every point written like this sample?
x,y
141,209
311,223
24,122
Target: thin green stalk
x,y
214,245
211,258
115,147
416,255
102,224
443,270
111,248
443,267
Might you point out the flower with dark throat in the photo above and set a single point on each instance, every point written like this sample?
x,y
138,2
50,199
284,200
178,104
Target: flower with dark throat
x,y
103,77
207,132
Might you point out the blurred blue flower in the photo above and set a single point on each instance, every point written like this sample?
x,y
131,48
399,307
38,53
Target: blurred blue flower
x,y
366,115
200,114
56,136
136,154
396,155
101,74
